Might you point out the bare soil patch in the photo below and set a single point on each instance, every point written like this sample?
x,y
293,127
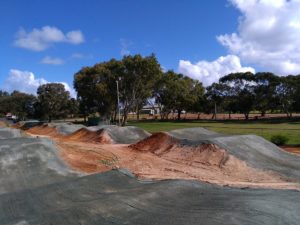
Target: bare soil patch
x,y
160,156
291,149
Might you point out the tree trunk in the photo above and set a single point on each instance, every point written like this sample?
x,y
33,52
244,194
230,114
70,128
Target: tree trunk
x,y
263,113
178,114
115,116
246,116
124,121
137,114
287,114
230,115
49,119
125,117
215,111
198,117
213,116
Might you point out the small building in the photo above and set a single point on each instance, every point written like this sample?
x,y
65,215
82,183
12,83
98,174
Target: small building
x,y
150,109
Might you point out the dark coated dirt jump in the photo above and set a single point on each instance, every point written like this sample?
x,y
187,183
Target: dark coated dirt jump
x,y
38,187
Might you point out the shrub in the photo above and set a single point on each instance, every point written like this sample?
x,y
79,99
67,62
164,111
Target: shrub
x,y
279,139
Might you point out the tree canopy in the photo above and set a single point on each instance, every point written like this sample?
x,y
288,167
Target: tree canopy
x,y
53,100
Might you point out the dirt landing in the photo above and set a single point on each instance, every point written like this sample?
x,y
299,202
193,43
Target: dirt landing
x,y
167,147
295,150
44,130
215,166
159,156
85,135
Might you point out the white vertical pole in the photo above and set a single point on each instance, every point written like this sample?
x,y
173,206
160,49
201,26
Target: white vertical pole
x,y
118,102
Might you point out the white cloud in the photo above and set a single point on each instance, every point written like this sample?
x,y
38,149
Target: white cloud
x,y
81,56
268,34
125,44
52,61
25,81
77,56
209,72
41,39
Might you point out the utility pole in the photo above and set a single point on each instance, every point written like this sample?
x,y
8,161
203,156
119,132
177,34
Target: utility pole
x,y
119,116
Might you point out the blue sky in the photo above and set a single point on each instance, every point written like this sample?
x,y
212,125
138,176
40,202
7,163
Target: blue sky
x,y
186,36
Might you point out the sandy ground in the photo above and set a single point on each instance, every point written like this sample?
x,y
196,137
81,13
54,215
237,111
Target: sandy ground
x,y
295,150
3,124
206,166
160,157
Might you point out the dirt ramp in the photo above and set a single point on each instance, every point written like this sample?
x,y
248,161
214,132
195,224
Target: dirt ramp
x,y
85,135
67,128
44,129
126,135
156,143
113,198
166,146
196,134
25,125
260,153
6,132
29,163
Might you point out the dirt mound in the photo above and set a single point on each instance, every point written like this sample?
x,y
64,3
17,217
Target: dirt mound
x,y
157,143
6,132
3,124
67,128
25,125
291,149
170,148
85,135
196,133
44,129
126,135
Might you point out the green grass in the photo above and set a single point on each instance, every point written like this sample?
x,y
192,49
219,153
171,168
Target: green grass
x,y
265,129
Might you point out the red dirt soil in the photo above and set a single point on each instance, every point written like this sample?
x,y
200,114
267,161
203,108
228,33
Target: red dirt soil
x,y
160,156
291,149
207,163
81,135
44,130
85,135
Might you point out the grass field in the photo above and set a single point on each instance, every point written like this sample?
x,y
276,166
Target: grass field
x,y
265,129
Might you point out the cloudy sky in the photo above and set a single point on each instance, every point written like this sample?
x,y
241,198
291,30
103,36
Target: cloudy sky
x,y
50,40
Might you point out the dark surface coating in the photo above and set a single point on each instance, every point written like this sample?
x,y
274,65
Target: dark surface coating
x,y
255,150
115,198
36,187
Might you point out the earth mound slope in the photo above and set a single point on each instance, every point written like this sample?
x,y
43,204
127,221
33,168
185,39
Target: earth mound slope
x,y
113,198
101,134
126,135
29,163
37,187
6,132
86,135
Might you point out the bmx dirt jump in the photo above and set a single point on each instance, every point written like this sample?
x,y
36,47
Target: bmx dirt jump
x,y
72,174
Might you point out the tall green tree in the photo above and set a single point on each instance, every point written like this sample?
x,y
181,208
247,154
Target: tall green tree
x,y
177,93
242,91
53,100
22,104
265,92
96,87
18,103
219,97
137,82
286,93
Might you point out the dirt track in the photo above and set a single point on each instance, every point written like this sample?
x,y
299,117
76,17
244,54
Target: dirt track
x,y
160,156
37,187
